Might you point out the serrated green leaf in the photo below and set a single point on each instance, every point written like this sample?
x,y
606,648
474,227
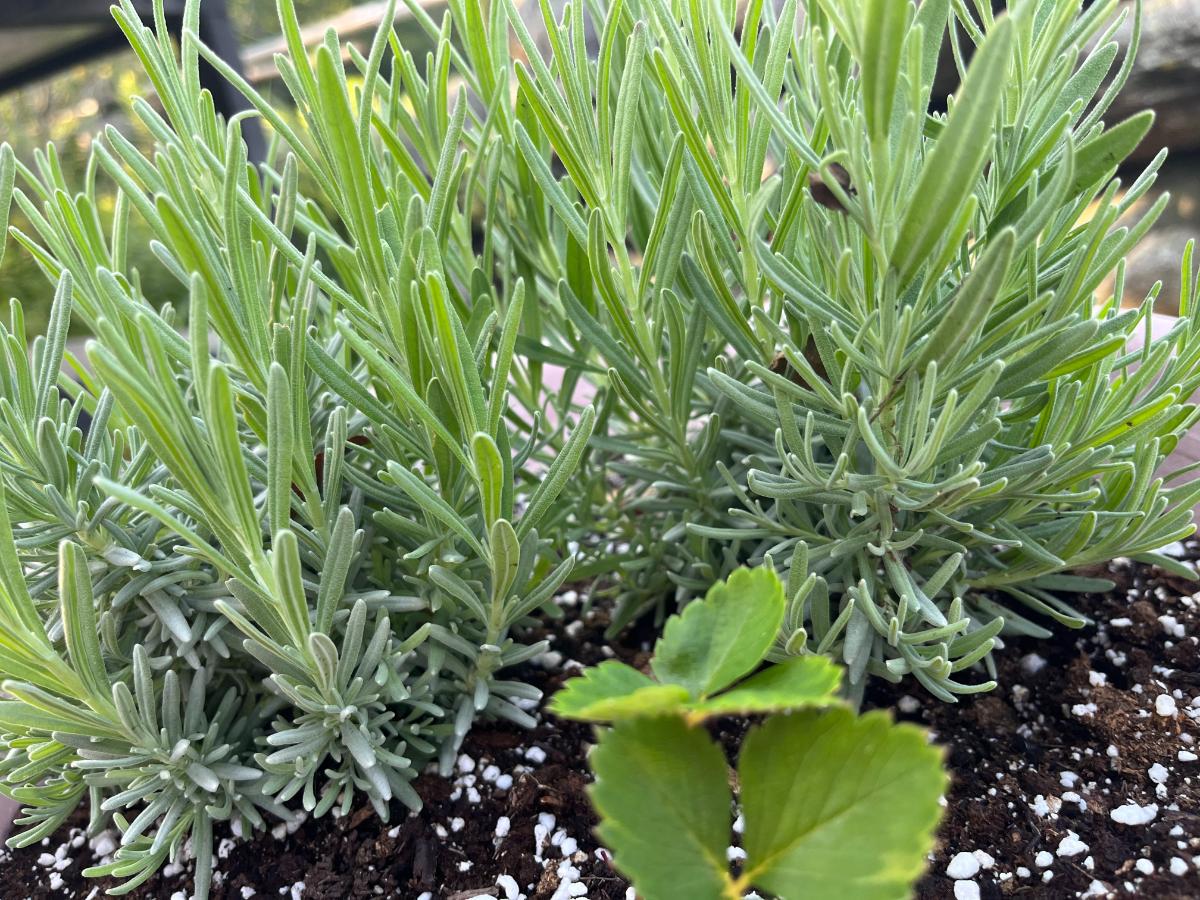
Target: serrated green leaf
x,y
656,776
838,806
614,691
807,681
717,640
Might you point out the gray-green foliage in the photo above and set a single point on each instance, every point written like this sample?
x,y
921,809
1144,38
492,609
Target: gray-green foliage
x,y
824,327
832,328
282,563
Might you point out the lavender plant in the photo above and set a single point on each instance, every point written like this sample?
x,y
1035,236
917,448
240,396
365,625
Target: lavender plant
x,y
267,552
833,328
274,549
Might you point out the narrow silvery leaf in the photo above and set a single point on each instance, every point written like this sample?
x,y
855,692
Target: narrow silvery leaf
x,y
625,121
433,504
338,556
279,448
969,307
949,172
293,607
17,716
489,472
55,341
79,619
325,657
932,17
43,708
560,470
542,594
8,172
883,32
1102,154
16,605
460,591
223,434
506,558
504,356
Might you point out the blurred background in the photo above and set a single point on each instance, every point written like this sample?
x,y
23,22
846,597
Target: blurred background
x,y
66,100
71,100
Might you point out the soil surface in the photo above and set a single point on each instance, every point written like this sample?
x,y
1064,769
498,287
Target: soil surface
x,y
1077,777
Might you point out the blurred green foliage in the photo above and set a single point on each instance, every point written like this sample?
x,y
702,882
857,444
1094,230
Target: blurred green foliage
x,y
69,109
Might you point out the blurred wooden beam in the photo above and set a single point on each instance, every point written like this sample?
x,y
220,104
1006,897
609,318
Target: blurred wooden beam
x,y
41,13
89,27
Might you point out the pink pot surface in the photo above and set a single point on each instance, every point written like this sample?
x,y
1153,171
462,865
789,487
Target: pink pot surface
x,y
1188,450
8,811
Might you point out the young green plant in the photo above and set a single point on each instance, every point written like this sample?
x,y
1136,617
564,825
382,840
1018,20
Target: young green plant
x,y
834,805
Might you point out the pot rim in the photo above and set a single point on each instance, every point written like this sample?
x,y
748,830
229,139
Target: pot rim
x,y
8,812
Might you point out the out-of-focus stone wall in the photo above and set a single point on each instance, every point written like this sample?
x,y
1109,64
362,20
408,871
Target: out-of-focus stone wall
x,y
1165,78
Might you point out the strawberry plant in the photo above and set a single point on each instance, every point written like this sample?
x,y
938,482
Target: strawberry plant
x,y
833,805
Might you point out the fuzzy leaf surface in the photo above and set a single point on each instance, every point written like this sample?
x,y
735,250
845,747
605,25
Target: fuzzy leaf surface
x,y
951,169
1103,153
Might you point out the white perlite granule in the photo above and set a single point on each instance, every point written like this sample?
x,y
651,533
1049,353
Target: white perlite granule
x,y
963,865
1134,814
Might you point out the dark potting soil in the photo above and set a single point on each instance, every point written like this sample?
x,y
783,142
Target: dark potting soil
x,y
1077,777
